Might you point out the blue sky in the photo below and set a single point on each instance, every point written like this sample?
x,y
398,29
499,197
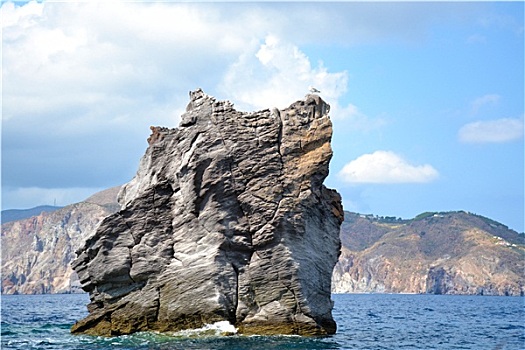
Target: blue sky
x,y
427,98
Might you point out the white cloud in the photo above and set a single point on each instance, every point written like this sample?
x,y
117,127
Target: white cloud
x,y
386,167
492,131
122,58
83,81
128,58
489,99
276,73
22,16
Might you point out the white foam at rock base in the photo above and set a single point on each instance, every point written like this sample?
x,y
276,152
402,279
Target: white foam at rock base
x,y
220,328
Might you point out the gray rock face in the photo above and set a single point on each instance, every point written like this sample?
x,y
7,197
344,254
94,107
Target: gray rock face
x,y
228,219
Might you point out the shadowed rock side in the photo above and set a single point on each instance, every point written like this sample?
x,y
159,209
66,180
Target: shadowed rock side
x,y
227,218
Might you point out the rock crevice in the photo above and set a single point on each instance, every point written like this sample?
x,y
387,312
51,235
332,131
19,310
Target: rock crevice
x,y
228,219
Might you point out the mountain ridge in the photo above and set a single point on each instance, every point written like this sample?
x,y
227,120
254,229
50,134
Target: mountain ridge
x,y
9,215
37,251
104,198
440,253
363,237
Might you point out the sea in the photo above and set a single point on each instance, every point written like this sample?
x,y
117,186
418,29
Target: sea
x,y
365,321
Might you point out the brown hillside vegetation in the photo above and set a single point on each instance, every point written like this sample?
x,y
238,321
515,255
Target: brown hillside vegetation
x,y
439,253
37,251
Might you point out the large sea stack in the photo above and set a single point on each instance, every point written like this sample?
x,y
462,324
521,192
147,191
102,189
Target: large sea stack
x,y
227,219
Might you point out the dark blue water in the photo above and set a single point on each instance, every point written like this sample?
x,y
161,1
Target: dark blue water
x,y
364,322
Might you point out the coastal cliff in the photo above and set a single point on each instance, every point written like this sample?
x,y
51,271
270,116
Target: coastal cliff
x,y
37,251
434,253
227,219
471,255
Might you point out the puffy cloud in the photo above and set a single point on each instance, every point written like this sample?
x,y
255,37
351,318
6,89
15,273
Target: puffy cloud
x,y
83,81
277,72
492,131
386,167
119,58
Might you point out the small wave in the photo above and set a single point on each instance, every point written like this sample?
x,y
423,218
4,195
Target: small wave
x,y
6,333
221,328
511,327
45,342
274,336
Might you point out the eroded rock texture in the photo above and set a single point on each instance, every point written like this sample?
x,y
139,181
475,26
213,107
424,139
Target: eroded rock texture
x,y
226,219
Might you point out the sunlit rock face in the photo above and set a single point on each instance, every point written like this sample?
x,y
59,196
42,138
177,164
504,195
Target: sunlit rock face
x,y
227,219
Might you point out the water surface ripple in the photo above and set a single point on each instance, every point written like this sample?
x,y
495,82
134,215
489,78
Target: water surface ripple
x,y
365,321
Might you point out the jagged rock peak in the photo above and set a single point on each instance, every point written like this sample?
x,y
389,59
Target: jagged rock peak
x,y
227,219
